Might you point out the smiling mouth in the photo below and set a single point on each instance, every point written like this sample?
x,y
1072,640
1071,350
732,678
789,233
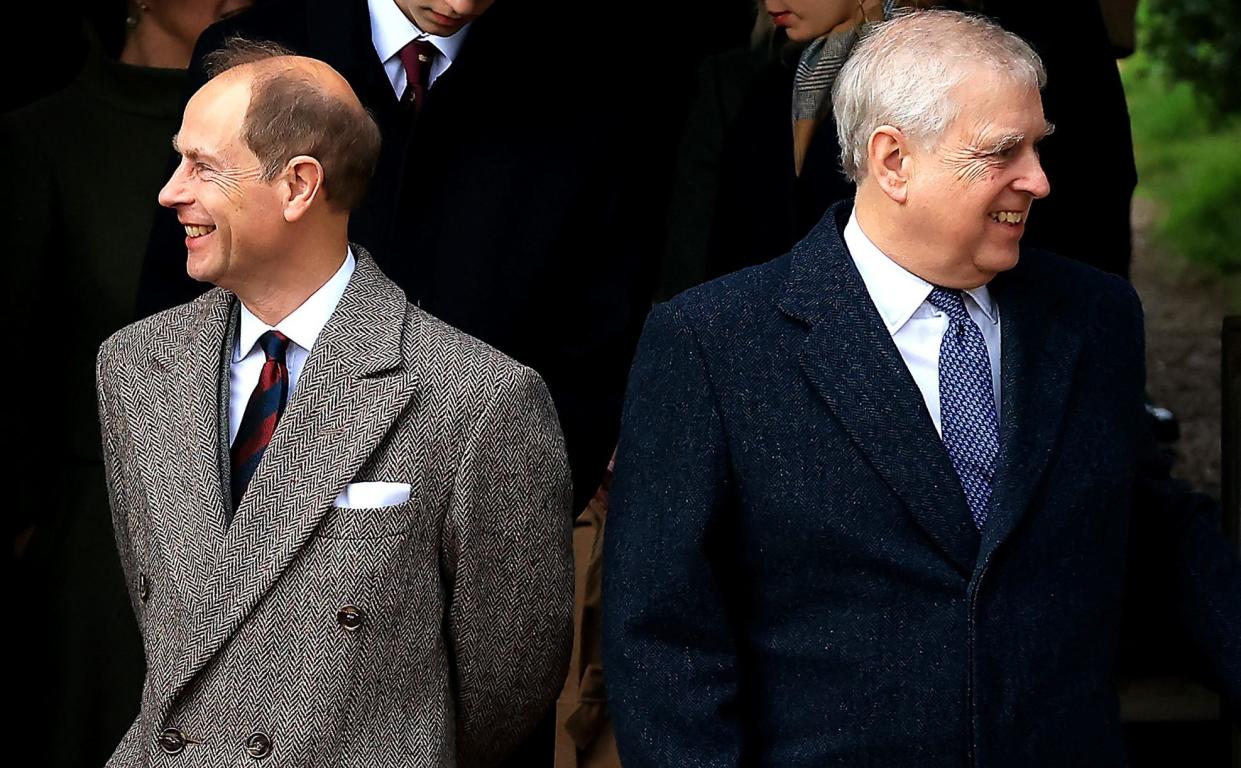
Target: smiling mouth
x,y
198,230
447,21
1008,217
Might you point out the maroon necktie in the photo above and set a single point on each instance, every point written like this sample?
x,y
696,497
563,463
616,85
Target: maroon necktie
x,y
263,411
416,58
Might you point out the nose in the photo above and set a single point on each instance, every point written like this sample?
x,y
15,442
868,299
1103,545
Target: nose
x,y
463,8
1033,180
175,192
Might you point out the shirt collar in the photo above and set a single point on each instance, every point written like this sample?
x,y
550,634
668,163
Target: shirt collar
x,y
303,325
391,30
896,292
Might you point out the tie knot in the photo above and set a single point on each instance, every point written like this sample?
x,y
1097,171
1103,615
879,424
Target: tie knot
x,y
416,59
274,344
950,302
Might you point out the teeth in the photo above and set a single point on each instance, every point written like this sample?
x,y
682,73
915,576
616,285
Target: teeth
x,y
193,230
1008,217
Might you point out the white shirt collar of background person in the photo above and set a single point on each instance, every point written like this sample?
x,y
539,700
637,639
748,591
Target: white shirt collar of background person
x,y
916,326
391,30
302,327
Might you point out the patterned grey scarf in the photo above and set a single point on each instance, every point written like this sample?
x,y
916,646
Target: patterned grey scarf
x,y
818,66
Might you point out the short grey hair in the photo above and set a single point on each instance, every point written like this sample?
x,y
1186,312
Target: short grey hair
x,y
903,71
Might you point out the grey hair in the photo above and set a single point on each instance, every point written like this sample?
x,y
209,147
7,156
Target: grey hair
x,y
902,73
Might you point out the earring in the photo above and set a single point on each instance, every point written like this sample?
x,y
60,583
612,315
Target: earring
x,y
135,15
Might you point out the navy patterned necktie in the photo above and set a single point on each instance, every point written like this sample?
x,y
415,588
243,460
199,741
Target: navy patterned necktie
x,y
263,411
967,413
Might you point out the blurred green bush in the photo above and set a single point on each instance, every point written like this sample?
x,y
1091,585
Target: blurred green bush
x,y
1186,118
1197,42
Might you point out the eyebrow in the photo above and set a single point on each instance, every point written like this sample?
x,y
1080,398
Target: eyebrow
x,y
1005,142
192,153
1010,140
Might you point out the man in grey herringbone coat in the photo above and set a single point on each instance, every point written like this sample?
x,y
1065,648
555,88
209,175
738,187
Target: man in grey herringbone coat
x,y
374,571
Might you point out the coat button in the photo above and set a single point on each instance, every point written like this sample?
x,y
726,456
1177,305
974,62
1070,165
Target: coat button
x,y
350,617
258,746
171,741
144,587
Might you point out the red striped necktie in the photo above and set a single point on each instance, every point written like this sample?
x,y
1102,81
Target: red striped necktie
x,y
263,411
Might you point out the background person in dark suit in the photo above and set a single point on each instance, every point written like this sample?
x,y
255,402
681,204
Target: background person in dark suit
x,y
872,499
511,204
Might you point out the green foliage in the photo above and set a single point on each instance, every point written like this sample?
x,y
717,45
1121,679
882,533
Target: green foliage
x,y
1202,218
1189,164
1197,41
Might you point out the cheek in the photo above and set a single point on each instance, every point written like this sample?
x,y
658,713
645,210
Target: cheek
x,y
229,189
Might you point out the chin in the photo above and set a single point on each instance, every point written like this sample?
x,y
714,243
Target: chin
x,y
199,271
993,264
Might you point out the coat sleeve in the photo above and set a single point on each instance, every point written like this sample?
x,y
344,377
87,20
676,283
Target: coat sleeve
x,y
670,657
1182,564
508,564
113,438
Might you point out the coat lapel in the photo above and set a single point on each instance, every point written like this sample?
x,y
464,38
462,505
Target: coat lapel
x,y
352,389
1039,354
192,367
851,361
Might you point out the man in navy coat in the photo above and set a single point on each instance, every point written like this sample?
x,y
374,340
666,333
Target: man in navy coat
x,y
873,498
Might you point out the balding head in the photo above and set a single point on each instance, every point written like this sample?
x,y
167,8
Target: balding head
x,y
300,107
275,150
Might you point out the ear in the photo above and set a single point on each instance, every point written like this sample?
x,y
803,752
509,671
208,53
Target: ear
x,y
303,179
887,162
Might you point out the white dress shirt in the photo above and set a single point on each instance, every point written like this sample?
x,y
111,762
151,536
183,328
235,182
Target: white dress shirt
x,y
391,30
916,326
302,328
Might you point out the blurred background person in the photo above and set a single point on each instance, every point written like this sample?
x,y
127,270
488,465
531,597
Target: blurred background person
x,y
759,162
72,282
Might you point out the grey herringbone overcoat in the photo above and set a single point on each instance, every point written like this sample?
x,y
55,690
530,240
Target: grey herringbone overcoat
x,y
457,619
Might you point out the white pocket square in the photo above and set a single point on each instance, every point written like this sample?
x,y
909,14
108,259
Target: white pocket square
x,y
372,495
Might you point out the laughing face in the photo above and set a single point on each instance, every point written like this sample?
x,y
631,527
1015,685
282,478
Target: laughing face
x,y
232,217
443,17
970,196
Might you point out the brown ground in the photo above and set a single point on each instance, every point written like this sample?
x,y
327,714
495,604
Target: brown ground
x,y
1185,308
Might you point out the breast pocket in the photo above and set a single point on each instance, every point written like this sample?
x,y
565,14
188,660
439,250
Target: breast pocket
x,y
370,522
